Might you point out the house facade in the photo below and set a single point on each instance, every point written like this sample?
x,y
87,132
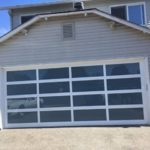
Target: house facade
x,y
62,65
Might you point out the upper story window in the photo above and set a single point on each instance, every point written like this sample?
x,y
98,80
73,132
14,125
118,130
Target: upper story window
x,y
26,18
134,13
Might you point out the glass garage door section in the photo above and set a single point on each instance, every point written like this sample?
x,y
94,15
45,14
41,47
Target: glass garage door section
x,y
74,95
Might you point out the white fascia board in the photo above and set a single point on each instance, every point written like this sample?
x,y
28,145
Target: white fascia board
x,y
84,12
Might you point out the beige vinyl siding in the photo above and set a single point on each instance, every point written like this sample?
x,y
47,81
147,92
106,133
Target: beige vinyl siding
x,y
95,40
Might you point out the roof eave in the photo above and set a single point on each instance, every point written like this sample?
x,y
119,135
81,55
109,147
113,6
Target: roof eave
x,y
85,12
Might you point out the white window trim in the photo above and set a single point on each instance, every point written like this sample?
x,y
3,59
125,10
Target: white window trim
x,y
131,4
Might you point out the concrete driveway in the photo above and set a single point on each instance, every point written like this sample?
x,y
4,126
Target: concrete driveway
x,y
90,138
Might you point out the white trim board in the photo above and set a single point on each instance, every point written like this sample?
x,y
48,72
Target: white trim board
x,y
71,13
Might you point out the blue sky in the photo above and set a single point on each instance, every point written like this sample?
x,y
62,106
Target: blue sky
x,y
4,17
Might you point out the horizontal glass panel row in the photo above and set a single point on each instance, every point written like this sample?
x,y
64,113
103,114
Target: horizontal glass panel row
x,y
78,101
79,115
77,72
77,86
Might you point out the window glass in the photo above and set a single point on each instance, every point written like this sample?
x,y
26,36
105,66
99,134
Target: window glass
x,y
125,99
57,87
57,101
126,114
26,18
123,84
54,73
122,69
22,103
119,12
90,115
21,89
21,75
22,117
88,71
136,14
89,100
81,86
55,116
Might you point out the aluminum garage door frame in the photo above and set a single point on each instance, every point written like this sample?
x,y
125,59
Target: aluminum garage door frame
x,y
144,88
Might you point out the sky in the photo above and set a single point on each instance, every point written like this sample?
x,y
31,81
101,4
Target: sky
x,y
4,17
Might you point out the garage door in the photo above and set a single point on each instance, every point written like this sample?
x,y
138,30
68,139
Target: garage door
x,y
99,94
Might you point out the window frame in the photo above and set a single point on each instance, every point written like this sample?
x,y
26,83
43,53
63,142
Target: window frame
x,y
127,10
139,60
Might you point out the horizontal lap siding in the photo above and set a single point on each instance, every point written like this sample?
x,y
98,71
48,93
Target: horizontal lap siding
x,y
94,40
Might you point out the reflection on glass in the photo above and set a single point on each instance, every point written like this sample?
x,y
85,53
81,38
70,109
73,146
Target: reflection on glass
x,y
92,85
22,117
22,103
57,101
55,116
122,69
87,71
88,100
21,89
54,73
124,84
21,75
57,87
125,99
126,114
89,115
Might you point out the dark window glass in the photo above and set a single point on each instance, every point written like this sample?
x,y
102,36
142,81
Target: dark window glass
x,y
124,84
26,18
89,100
125,99
122,69
55,116
88,71
57,87
22,117
22,103
21,75
119,12
21,89
57,101
53,73
89,115
81,86
126,114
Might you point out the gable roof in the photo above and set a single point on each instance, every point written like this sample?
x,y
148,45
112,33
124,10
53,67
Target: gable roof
x,y
70,13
